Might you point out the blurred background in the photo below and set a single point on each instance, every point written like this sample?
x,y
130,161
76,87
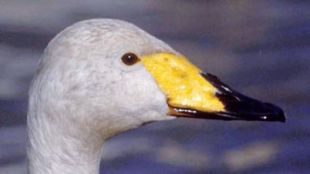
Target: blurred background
x,y
261,48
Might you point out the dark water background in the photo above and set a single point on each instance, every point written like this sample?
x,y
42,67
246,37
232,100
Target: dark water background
x,y
260,47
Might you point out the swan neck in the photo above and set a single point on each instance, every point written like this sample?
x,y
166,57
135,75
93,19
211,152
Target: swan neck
x,y
61,149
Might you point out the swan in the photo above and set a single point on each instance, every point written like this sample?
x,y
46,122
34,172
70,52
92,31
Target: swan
x,y
101,77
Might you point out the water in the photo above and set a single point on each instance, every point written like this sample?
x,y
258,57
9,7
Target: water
x,y
261,48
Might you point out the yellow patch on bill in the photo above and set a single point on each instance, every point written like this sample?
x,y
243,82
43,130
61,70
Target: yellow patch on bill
x,y
182,83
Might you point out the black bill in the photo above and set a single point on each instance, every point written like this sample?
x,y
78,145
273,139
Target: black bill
x,y
237,106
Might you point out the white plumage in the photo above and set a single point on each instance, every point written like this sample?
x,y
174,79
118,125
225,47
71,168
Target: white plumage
x,y
83,94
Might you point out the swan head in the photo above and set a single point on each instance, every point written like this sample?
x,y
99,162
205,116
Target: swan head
x,y
108,76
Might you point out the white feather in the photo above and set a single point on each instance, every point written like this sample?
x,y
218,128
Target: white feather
x,y
83,94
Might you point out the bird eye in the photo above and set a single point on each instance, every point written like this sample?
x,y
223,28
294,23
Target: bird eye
x,y
130,59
